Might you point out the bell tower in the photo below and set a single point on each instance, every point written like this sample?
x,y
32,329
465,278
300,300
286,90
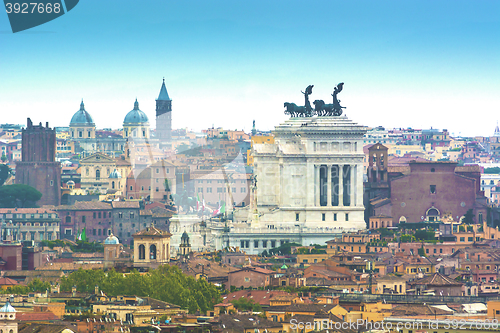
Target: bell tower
x,y
164,117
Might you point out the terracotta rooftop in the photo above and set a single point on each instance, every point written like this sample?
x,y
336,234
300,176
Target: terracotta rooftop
x,y
85,205
125,204
436,279
262,297
5,281
152,231
36,316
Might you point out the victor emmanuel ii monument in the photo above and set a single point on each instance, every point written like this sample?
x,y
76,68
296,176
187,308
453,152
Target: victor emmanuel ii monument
x,y
308,184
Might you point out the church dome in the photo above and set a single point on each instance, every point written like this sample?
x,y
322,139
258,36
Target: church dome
x,y
81,117
7,308
136,116
112,239
115,174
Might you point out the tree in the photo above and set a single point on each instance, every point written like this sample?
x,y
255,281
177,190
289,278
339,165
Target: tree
x,y
425,235
245,304
19,195
469,217
4,157
495,170
4,173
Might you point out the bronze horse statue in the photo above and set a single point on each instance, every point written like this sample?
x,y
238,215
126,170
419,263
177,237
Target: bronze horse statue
x,y
295,111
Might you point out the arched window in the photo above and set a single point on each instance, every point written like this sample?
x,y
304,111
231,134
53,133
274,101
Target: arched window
x,y
402,219
152,251
432,214
142,252
480,217
112,184
98,174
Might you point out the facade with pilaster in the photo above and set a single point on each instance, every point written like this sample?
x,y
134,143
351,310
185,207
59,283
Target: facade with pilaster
x,y
312,176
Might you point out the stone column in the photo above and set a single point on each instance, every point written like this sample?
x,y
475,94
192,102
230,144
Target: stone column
x,y
359,186
341,185
329,185
317,190
353,189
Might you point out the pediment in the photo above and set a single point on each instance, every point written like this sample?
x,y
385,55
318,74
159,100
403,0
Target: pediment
x,y
97,158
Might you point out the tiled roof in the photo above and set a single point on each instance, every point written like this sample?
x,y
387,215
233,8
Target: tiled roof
x,y
241,323
125,204
301,307
417,309
255,269
152,231
67,266
36,316
436,279
5,281
262,297
85,205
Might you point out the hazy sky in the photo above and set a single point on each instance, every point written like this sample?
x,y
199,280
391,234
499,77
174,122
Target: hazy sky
x,y
404,63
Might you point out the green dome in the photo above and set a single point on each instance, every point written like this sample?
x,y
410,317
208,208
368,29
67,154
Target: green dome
x,y
136,116
81,117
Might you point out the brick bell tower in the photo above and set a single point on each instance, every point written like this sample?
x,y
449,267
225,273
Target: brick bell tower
x,y
38,167
164,117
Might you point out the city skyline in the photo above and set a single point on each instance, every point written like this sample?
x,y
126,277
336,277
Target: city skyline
x,y
411,64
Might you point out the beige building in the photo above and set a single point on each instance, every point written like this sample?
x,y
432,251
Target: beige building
x,y
151,248
390,284
95,171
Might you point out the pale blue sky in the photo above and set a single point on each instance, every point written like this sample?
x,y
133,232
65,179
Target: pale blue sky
x,y
404,63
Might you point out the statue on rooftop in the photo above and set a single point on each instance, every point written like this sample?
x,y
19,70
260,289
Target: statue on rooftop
x,y
337,109
300,111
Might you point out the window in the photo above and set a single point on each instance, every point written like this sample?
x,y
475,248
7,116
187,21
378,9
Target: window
x,y
256,244
94,214
157,189
98,174
264,243
109,215
247,279
99,214
209,190
131,187
243,190
120,215
273,244
335,216
142,252
462,239
219,189
297,217
323,217
433,189
152,252
347,217
200,189
83,218
93,232
98,232
131,215
234,190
